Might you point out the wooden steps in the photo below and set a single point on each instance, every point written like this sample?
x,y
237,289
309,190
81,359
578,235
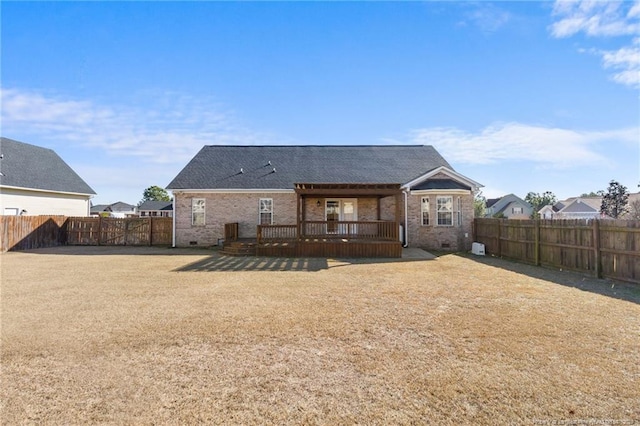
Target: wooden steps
x,y
239,248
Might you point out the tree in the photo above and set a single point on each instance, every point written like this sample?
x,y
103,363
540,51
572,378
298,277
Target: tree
x,y
154,193
479,205
599,193
538,201
614,201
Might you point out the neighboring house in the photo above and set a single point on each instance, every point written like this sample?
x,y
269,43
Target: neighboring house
x,y
587,208
509,206
573,208
324,195
633,207
156,208
117,209
36,181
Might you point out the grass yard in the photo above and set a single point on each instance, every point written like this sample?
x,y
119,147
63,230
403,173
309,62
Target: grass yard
x,y
168,336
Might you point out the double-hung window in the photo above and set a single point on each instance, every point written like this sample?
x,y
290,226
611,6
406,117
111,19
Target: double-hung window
x,y
266,211
444,210
424,209
197,211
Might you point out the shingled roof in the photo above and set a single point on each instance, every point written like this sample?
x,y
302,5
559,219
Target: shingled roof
x,y
280,167
33,167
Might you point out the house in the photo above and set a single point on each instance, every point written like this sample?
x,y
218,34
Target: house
x,y
36,181
117,209
509,206
633,207
573,208
156,208
323,200
587,208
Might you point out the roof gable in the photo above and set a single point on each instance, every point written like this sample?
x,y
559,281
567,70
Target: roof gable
x,y
280,167
580,205
500,204
156,205
33,167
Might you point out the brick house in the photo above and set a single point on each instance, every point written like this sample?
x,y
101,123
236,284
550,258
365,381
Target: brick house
x,y
323,200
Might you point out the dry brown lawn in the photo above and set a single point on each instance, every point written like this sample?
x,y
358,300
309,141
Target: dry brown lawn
x,y
169,336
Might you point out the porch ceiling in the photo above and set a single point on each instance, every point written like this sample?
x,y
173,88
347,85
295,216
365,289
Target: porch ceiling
x,y
347,189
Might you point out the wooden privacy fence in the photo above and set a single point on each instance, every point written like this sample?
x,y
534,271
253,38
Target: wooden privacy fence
x,y
603,248
27,232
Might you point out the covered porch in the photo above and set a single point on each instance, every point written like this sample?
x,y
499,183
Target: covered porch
x,y
337,220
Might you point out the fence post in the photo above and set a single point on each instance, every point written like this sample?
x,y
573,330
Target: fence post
x,y
596,248
536,249
99,230
150,231
499,238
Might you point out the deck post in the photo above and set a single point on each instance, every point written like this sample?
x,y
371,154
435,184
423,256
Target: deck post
x,y
299,214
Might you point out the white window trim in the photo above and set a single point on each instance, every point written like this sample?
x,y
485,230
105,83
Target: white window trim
x,y
260,211
437,223
194,202
422,211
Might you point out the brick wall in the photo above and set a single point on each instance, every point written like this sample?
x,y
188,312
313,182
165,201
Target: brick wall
x,y
226,208
434,237
243,208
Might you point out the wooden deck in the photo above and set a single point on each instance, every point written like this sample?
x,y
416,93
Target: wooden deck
x,y
318,239
331,248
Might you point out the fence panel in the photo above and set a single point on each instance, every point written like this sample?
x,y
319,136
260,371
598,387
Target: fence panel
x,y
606,248
28,232
620,249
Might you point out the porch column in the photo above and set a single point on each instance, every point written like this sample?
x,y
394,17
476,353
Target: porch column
x,y
399,211
299,213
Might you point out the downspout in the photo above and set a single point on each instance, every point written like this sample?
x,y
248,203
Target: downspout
x,y
173,237
406,219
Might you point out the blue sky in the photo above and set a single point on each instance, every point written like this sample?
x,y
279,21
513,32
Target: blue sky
x,y
519,96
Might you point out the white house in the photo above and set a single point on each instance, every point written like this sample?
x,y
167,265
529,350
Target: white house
x,y
510,206
573,208
36,181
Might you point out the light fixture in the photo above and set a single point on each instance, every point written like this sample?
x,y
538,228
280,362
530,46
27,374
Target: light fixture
x,y
318,203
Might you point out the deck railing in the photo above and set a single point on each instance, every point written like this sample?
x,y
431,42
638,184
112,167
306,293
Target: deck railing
x,y
362,230
276,233
349,230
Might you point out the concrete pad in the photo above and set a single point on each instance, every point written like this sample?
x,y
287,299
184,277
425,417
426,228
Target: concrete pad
x,y
416,253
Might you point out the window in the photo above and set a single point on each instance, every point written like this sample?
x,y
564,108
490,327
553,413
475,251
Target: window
x,y
424,209
459,212
266,211
444,210
517,210
197,211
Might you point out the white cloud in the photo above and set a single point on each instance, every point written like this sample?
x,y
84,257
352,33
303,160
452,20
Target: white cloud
x,y
487,17
627,61
604,19
171,130
546,146
595,18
